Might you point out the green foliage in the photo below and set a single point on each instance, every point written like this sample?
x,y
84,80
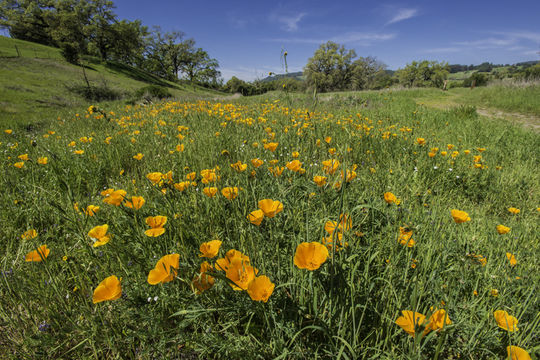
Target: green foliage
x,y
90,27
152,92
330,68
478,79
423,74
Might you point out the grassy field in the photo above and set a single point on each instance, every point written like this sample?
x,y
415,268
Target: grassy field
x,y
328,271
39,84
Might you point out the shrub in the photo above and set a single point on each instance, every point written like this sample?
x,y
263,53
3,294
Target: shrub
x,y
152,92
478,78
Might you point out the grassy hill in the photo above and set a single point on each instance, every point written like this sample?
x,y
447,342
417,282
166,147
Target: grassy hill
x,y
36,83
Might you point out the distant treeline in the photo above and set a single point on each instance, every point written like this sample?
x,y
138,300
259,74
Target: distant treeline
x,y
487,67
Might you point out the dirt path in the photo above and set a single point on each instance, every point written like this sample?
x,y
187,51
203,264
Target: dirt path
x,y
528,121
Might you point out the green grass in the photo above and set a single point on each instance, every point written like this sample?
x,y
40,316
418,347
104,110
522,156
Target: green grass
x,y
348,307
510,98
39,84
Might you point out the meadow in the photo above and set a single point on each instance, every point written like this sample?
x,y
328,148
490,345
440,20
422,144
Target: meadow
x,y
363,226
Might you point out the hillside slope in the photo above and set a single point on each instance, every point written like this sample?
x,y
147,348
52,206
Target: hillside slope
x,y
35,81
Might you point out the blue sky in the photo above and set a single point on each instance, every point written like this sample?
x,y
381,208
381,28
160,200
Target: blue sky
x,y
247,37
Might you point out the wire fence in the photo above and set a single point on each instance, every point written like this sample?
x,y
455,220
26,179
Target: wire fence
x,y
14,50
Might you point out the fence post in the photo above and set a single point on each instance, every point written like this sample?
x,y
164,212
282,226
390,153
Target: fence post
x,y
18,52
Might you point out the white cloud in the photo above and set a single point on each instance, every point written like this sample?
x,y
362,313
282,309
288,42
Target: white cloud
x,y
403,14
288,22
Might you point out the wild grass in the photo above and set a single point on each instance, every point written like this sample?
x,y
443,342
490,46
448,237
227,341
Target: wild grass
x,y
517,96
344,310
39,83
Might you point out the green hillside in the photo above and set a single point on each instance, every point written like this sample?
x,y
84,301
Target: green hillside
x,y
36,83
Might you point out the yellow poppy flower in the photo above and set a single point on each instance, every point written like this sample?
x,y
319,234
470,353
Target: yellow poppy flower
x,y
505,321
513,210
420,141
460,216
437,321
99,235
91,210
230,192
517,353
330,166
272,146
210,249
165,269
19,164
405,237
156,224
136,202
256,217
108,289
501,229
319,180
38,255
241,273
210,191
139,156
115,197
260,288
43,160
223,263
182,185
511,258
29,234
310,256
154,177
239,166
270,207
391,198
256,162
23,157
410,320
294,165
203,281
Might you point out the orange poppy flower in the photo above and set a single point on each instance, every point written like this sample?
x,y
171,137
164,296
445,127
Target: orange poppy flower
x,y
256,217
99,235
294,165
156,224
202,281
310,256
319,180
165,269
505,321
410,320
260,288
256,162
38,255
210,191
230,192
108,289
460,216
517,353
501,229
241,273
223,263
210,249
136,202
270,207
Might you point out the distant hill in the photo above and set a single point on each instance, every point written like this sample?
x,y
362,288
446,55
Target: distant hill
x,y
488,67
35,81
299,75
